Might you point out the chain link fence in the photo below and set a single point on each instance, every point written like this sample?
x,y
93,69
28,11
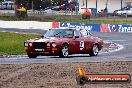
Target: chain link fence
x,y
63,14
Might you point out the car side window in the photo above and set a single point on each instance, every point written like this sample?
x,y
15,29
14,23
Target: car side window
x,y
84,33
77,33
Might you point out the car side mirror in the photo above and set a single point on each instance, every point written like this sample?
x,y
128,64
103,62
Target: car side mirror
x,y
76,37
90,34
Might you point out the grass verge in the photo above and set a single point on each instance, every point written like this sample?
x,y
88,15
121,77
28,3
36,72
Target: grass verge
x,y
13,43
61,19
96,21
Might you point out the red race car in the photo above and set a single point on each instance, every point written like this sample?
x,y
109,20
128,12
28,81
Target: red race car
x,y
64,42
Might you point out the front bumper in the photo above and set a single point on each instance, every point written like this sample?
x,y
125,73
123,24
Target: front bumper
x,y
47,51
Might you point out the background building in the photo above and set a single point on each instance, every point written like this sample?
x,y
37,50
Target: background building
x,y
111,5
7,4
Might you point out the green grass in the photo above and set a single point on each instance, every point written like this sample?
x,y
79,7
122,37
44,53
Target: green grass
x,y
96,21
61,19
13,43
13,18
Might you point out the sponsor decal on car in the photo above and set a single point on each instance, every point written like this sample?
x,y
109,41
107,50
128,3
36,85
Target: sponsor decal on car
x,y
39,49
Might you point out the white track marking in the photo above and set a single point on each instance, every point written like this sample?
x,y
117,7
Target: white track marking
x,y
120,47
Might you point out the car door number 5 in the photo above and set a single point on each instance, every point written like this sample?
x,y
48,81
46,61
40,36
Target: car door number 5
x,y
81,45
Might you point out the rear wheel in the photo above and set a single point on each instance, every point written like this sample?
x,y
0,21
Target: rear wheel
x,y
94,50
64,52
32,55
125,14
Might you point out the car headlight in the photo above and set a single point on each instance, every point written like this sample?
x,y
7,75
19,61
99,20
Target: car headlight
x,y
26,44
30,44
54,44
48,44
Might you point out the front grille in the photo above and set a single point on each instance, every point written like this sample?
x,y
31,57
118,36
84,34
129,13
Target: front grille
x,y
39,45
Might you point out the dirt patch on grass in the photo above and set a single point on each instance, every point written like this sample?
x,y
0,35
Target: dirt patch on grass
x,y
59,75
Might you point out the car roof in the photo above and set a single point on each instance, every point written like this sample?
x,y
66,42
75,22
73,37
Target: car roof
x,y
65,28
78,29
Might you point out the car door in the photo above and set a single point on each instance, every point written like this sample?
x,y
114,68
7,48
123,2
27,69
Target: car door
x,y
86,41
75,43
83,42
89,43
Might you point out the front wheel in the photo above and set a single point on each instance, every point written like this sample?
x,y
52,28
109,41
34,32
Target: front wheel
x,y
94,50
64,52
124,15
32,55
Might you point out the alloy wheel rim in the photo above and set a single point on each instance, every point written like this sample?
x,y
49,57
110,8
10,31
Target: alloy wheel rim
x,y
95,50
65,51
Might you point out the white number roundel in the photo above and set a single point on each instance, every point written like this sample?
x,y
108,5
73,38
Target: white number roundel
x,y
81,45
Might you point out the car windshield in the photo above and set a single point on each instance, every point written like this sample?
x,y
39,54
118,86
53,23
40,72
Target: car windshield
x,y
59,33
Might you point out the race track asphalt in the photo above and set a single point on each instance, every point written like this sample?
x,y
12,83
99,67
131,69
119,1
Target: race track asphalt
x,y
124,54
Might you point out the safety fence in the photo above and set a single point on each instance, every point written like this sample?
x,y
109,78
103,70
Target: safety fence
x,y
49,25
98,27
26,25
51,11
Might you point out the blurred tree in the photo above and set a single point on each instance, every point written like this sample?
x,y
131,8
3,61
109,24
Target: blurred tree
x,y
1,3
40,4
1,0
46,3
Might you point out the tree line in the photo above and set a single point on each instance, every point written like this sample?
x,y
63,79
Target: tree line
x,y
38,4
41,4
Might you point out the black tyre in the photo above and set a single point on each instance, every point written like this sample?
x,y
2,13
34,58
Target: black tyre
x,y
32,55
125,14
94,50
64,52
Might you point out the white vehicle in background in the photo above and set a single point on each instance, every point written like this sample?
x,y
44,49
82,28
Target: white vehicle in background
x,y
125,12
7,5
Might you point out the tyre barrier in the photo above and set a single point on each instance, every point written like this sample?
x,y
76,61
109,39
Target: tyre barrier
x,y
40,12
37,12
